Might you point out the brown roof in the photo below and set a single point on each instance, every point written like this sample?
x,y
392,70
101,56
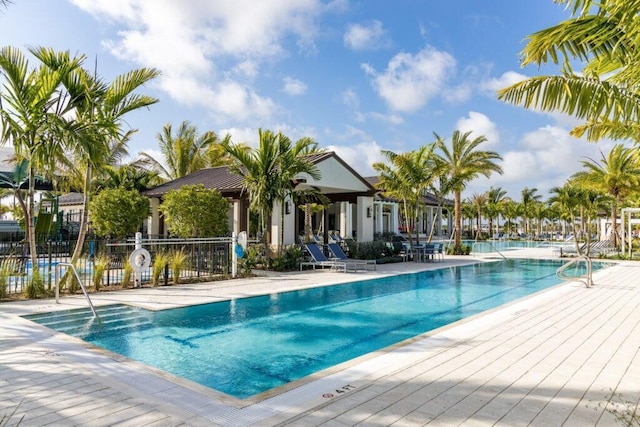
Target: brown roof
x,y
219,178
229,184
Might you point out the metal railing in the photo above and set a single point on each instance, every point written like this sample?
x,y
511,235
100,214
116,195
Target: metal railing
x,y
486,243
587,279
77,276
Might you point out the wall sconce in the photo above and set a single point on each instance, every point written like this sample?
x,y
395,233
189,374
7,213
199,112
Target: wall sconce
x,y
287,208
368,211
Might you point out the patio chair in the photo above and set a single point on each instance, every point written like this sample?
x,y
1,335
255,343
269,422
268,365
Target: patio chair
x,y
439,250
320,260
338,253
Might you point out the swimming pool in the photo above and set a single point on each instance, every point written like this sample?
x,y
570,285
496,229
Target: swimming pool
x,y
246,346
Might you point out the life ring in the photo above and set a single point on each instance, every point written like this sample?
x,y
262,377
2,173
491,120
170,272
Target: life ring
x,y
140,260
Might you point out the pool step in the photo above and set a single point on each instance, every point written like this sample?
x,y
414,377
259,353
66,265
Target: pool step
x,y
80,322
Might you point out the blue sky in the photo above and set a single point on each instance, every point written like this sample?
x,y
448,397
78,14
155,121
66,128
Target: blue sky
x,y
357,76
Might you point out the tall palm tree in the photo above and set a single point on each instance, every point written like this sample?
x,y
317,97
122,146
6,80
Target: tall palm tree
x,y
464,162
268,171
407,177
495,197
617,175
529,198
510,211
34,119
99,109
605,94
479,202
186,151
567,199
128,176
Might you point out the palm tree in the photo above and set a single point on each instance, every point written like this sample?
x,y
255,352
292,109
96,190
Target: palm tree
x,y
510,210
128,176
96,137
567,199
602,34
464,162
186,151
268,172
479,201
529,198
407,178
34,119
616,175
495,197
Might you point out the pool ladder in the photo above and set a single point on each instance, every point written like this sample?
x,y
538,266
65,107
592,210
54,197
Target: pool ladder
x,y
77,276
586,279
486,243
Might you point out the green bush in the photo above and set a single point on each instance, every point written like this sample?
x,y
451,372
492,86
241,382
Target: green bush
x,y
159,263
118,213
177,263
100,265
253,257
290,259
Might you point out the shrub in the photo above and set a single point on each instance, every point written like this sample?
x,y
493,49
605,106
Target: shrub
x,y
162,259
100,265
290,259
7,269
118,213
128,273
253,256
177,263
35,287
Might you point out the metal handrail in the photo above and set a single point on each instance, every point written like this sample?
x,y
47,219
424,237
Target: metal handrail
x,y
487,243
84,290
587,279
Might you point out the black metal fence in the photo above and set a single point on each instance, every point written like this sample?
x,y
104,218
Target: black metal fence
x,y
203,258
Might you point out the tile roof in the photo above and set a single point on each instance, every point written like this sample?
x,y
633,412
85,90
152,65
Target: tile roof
x,y
429,198
219,178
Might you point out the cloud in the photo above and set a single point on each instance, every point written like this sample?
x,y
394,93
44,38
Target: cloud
x,y
359,156
362,37
543,159
293,86
410,81
194,43
350,99
480,124
491,86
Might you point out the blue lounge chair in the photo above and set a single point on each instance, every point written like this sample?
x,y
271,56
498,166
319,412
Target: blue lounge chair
x,y
320,260
338,253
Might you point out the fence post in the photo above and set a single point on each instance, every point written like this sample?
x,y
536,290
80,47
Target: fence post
x,y
234,256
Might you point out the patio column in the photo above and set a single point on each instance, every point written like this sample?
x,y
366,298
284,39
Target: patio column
x,y
154,220
345,220
378,217
364,218
394,218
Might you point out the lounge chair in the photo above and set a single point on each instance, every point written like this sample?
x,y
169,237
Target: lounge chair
x,y
602,247
338,253
320,260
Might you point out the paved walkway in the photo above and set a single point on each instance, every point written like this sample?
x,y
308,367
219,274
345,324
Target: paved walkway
x,y
550,359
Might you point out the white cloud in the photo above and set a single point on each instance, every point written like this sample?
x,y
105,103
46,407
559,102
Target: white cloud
x,y
350,99
410,81
187,41
359,156
393,119
480,124
361,37
507,79
293,86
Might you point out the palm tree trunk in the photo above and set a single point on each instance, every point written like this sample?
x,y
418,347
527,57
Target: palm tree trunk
x,y
84,219
29,226
307,222
458,223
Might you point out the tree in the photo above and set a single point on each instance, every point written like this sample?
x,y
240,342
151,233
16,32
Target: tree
x,y
194,211
118,213
128,176
603,36
34,120
186,151
268,172
495,198
529,198
94,130
511,211
463,163
407,178
616,175
478,201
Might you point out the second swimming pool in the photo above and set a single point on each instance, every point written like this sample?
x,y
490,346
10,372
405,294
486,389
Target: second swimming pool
x,y
246,346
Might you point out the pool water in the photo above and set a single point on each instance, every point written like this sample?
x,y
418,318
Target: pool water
x,y
247,346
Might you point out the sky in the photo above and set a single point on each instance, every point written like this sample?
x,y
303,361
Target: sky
x,y
358,76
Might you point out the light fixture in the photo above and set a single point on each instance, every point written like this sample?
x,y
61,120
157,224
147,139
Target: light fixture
x,y
368,211
287,208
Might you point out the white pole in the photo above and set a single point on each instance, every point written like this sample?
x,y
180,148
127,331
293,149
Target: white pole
x,y
137,274
234,256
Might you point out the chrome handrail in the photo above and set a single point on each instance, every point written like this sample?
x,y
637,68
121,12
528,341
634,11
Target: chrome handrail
x,y
84,289
587,279
487,243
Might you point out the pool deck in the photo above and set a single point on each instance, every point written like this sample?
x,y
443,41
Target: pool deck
x,y
549,359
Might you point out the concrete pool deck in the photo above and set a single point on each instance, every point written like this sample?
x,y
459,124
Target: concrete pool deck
x,y
548,359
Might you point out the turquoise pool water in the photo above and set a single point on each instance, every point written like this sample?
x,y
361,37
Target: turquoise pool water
x,y
246,346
